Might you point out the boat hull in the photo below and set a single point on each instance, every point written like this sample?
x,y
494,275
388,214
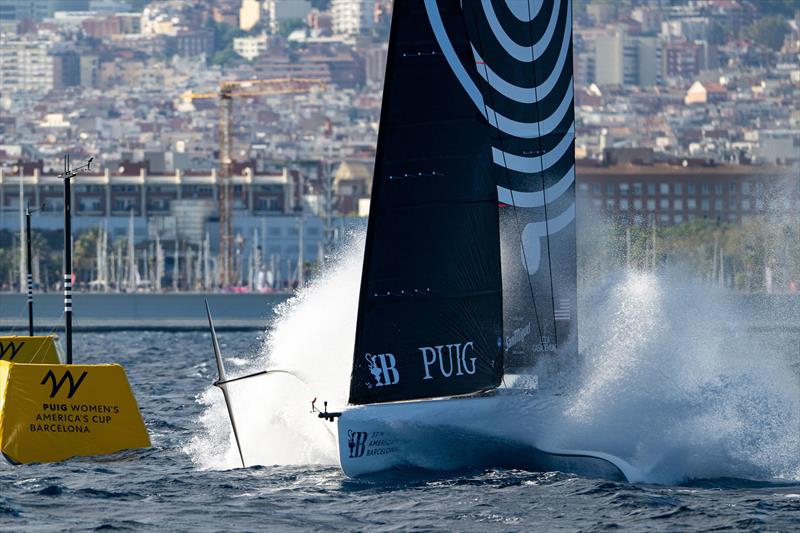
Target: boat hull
x,y
456,434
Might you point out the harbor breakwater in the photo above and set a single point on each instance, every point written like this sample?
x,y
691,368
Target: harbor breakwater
x,y
139,311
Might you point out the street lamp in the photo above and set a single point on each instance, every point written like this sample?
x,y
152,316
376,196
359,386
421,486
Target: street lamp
x,y
67,176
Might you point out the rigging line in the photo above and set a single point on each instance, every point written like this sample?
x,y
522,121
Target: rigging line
x,y
510,189
544,190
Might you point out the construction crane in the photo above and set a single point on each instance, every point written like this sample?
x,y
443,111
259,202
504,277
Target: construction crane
x,y
228,90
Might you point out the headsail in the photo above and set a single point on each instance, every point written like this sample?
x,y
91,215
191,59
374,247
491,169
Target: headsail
x,y
523,56
430,308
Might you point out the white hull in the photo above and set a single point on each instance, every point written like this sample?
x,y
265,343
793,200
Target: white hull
x,y
455,434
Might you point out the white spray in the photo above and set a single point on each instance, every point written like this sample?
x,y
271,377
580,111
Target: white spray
x,y
669,380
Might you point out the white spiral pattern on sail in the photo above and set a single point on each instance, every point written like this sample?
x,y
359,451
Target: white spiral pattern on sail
x,y
526,11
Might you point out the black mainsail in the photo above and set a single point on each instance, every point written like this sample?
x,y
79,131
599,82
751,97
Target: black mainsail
x,y
475,145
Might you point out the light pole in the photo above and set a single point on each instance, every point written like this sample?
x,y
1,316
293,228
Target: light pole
x,y
67,176
28,255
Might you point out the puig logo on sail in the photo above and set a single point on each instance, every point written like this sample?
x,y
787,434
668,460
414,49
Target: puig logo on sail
x,y
452,359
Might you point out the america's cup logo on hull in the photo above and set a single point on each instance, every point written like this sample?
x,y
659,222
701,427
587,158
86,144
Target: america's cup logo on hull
x,y
357,442
383,368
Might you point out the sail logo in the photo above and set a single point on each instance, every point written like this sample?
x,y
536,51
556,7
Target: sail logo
x,y
357,442
11,347
452,358
57,384
383,368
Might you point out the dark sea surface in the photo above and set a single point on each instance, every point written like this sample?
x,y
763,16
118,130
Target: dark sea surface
x,y
164,489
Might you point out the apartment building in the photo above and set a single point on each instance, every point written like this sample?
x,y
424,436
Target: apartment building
x,y
351,17
26,66
674,194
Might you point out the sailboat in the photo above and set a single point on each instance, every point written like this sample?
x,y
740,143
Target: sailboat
x,y
469,269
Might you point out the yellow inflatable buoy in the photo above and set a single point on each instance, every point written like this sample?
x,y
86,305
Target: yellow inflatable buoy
x,y
53,412
24,349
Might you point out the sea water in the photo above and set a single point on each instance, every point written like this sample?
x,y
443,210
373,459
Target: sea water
x,y
671,377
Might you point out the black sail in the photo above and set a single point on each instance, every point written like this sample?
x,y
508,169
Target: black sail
x,y
522,51
430,309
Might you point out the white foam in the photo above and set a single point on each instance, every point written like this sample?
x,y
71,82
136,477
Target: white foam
x,y
669,380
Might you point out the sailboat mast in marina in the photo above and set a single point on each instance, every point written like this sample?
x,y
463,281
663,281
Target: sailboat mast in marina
x,y
469,270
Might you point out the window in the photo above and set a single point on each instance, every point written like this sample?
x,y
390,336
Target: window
x,y
690,217
745,187
717,188
704,204
691,203
664,219
746,204
677,204
690,188
268,203
678,218
623,188
610,203
609,188
678,188
651,188
664,188
275,231
637,203
732,202
623,204
704,188
759,187
637,188
732,188
597,202
651,205
596,188
718,204
583,187
664,204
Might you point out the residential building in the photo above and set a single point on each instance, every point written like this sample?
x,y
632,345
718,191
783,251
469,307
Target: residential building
x,y
352,17
250,47
26,66
622,59
674,194
277,11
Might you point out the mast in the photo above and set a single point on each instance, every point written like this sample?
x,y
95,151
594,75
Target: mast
x,y
131,255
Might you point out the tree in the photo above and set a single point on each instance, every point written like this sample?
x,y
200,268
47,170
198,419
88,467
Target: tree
x,y
286,27
768,31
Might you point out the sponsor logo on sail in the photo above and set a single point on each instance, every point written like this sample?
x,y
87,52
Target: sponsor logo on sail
x,y
383,368
357,442
10,347
453,359
56,384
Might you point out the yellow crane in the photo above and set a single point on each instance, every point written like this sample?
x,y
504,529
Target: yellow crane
x,y
228,90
